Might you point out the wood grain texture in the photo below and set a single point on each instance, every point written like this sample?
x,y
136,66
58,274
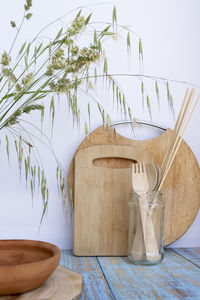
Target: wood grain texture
x,y
101,200
191,254
25,264
174,278
62,285
181,192
94,282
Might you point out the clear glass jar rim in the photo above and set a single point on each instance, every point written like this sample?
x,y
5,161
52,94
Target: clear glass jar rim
x,y
150,192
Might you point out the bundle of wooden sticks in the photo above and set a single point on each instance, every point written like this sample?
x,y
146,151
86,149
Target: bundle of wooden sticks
x,y
184,117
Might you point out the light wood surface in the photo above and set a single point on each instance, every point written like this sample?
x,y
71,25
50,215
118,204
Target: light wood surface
x,y
181,191
63,284
101,200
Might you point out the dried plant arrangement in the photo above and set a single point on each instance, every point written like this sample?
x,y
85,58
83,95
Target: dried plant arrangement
x,y
42,72
31,82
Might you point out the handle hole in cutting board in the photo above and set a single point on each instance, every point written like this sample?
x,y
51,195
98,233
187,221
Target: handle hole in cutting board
x,y
113,162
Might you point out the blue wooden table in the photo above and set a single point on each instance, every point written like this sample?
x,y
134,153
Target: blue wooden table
x,y
176,277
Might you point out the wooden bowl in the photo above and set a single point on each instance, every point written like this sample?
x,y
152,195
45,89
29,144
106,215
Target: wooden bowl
x,y
25,264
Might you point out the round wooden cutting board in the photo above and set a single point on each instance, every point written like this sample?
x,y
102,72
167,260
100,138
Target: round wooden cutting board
x,y
181,190
63,284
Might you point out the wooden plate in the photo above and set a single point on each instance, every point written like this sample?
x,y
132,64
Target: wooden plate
x,y
25,264
63,284
181,189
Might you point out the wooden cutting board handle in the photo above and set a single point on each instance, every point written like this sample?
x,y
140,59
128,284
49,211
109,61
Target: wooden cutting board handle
x,y
111,156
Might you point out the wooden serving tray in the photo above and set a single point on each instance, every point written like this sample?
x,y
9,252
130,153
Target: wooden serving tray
x,y
63,284
181,192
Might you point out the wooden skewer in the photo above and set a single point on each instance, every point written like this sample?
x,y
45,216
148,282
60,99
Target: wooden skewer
x,y
178,128
181,111
170,163
187,107
178,143
175,130
191,114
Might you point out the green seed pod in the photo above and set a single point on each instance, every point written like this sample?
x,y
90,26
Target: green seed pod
x,y
31,183
142,87
114,16
22,48
168,92
103,116
95,37
156,87
114,132
32,173
149,105
28,161
38,175
140,48
66,202
120,98
13,24
20,142
129,113
7,146
86,128
28,16
26,169
117,92
88,19
128,42
57,173
99,107
29,149
99,46
20,156
60,175
16,148
124,103
63,191
105,66
89,111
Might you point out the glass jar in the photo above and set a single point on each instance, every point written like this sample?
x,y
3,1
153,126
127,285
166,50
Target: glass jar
x,y
146,227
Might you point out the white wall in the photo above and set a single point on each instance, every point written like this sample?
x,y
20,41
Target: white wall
x,y
171,43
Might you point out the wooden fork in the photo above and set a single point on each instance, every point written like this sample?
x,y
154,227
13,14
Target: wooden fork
x,y
139,177
141,186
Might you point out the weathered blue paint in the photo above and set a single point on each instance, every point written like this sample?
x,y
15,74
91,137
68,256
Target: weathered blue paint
x,y
191,254
117,278
174,278
94,283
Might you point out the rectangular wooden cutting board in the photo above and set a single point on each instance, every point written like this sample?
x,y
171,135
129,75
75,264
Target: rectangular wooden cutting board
x,y
102,191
